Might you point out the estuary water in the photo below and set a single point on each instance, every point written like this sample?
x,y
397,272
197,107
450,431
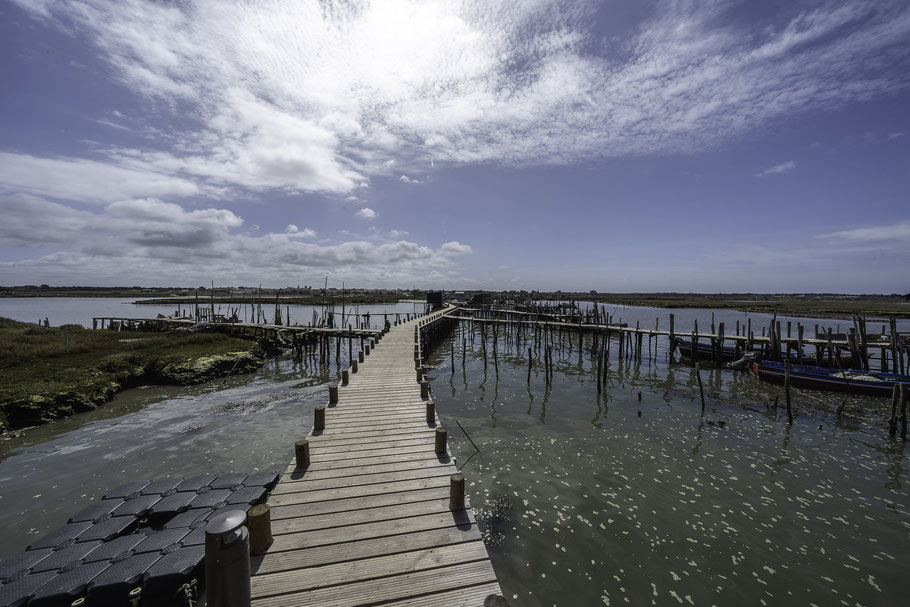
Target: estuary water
x,y
633,496
81,310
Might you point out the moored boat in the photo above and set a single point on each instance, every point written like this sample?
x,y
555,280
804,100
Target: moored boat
x,y
855,381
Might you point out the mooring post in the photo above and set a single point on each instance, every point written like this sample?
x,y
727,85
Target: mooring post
x,y
319,422
419,374
701,388
895,399
259,522
787,390
431,412
456,492
905,396
441,438
360,356
353,366
345,377
302,453
366,350
424,389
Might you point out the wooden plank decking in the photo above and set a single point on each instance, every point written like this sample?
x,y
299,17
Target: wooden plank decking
x,y
368,522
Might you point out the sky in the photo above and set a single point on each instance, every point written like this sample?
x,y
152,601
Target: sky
x,y
611,145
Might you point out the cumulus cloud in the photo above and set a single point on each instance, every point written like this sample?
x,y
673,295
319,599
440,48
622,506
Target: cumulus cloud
x,y
454,248
325,95
367,213
784,167
406,179
155,239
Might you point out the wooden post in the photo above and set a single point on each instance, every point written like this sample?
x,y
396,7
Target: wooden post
x,y
905,396
456,492
424,389
302,453
360,356
333,393
701,388
672,335
366,350
353,366
895,399
319,421
419,374
345,377
259,522
530,362
787,390
431,412
799,343
441,438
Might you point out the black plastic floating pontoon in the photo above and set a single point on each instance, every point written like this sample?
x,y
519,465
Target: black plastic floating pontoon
x,y
143,537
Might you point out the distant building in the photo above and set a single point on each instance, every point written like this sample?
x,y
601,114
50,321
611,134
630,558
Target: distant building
x,y
434,298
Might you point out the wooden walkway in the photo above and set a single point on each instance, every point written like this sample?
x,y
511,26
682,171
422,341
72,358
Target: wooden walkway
x,y
368,522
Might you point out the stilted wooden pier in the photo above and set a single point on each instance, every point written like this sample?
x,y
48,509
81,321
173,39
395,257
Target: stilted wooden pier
x,y
371,512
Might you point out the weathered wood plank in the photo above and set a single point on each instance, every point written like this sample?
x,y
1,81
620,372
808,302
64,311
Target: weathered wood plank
x,y
385,589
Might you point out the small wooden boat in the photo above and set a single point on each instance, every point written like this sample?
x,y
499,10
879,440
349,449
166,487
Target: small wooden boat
x,y
849,380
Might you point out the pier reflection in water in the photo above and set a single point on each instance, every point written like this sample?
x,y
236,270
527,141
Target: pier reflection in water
x,y
591,499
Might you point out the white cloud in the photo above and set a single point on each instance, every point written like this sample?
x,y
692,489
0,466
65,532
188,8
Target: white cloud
x,y
784,167
406,179
160,241
367,213
455,248
896,232
86,180
325,95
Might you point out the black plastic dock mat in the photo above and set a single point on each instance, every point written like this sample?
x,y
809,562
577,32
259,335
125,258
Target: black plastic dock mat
x,y
17,593
142,534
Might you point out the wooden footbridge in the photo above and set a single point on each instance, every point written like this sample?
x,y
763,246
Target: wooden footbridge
x,y
372,510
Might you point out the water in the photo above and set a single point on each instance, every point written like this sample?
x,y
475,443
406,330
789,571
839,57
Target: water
x,y
584,502
242,424
81,310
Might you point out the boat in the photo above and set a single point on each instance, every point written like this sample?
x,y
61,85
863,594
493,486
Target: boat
x,y
855,381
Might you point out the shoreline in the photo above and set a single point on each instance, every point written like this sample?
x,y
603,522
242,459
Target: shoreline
x,y
49,374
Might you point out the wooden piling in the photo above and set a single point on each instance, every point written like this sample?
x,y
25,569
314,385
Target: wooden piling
x,y
319,418
259,523
302,453
787,390
456,492
701,387
441,439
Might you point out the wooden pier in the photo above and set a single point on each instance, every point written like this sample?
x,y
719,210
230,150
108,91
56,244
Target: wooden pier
x,y
372,514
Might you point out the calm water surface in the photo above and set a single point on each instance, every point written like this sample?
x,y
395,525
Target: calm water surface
x,y
81,310
586,502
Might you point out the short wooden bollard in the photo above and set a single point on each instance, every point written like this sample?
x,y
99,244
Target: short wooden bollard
x,y
302,453
417,364
333,393
353,366
259,522
431,412
441,437
456,492
419,374
360,356
424,389
319,422
366,350
345,377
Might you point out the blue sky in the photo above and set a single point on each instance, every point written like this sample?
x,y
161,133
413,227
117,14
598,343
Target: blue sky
x,y
611,145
